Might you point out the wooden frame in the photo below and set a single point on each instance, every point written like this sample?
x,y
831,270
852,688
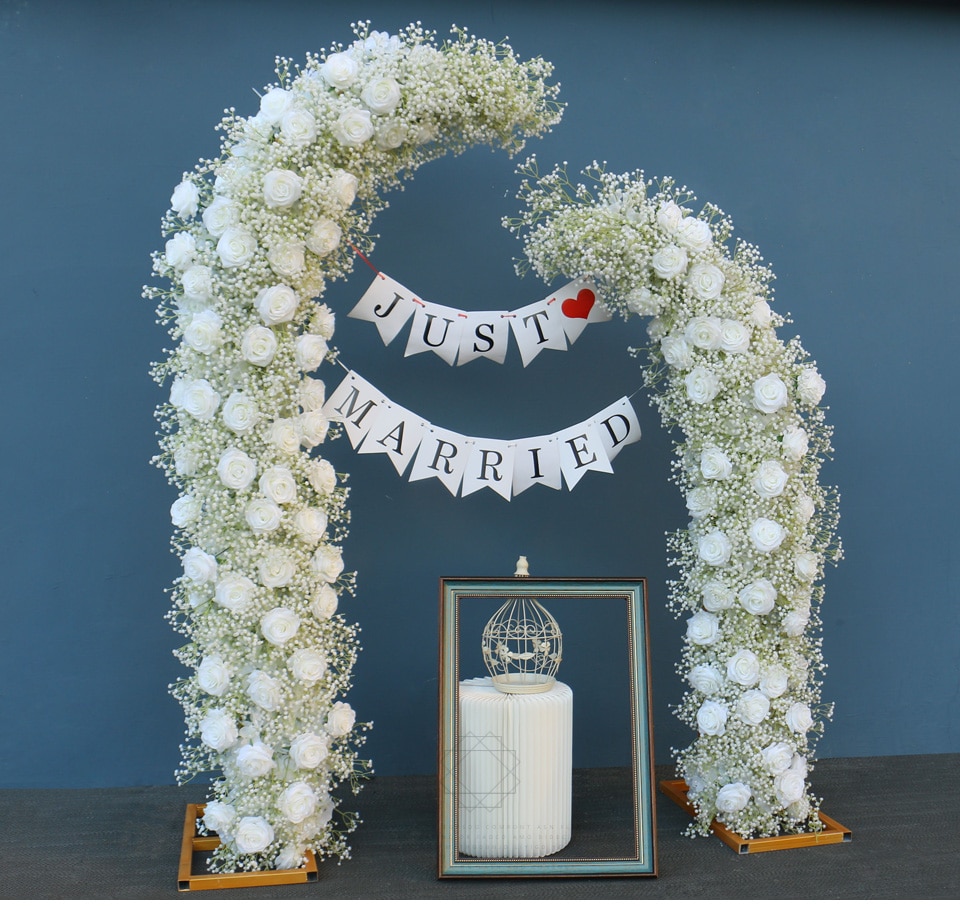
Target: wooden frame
x,y
606,662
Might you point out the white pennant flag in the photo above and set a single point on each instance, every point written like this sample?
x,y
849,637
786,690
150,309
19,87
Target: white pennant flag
x,y
435,328
538,326
387,304
489,464
354,404
580,304
536,460
581,450
484,334
396,432
442,455
618,426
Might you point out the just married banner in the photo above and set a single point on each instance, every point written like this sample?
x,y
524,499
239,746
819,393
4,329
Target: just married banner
x,y
465,464
459,336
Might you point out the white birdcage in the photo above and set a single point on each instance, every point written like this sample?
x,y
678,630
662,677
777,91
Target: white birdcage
x,y
522,644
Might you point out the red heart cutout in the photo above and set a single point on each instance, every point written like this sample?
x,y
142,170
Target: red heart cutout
x,y
580,307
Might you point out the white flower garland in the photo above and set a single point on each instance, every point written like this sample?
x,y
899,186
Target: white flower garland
x,y
254,236
753,438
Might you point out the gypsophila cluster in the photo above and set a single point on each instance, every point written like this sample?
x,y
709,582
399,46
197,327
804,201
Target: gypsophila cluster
x,y
745,406
253,237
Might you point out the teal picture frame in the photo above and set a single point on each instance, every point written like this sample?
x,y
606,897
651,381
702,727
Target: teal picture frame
x,y
606,648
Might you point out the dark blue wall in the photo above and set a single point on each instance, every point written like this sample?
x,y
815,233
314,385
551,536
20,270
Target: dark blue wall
x,y
831,135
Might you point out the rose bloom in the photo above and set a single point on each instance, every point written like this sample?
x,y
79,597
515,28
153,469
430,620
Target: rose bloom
x,y
262,516
278,485
676,352
805,507
213,675
769,393
704,332
310,351
381,96
279,625
240,413
277,569
712,718
744,668
218,816
324,237
795,622
798,718
323,604
669,262
322,476
716,596
702,385
203,333
734,337
236,469
644,302
703,628
733,797
701,501
276,304
339,70
258,345
810,387
264,691
327,563
705,280
694,234
343,186
253,835
789,786
298,127
323,322
180,249
806,566
274,104
219,215
353,127
308,750
307,665
758,598
285,435
668,216
236,247
313,393
769,479
774,681
753,707
714,548
705,679
310,525
185,198
766,534
795,443
235,592
340,719
218,731
298,802
200,400
199,566
255,759
656,328
286,258
760,313
281,188
777,758
185,511
714,464
186,460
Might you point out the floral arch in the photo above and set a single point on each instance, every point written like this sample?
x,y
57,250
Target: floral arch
x,y
254,236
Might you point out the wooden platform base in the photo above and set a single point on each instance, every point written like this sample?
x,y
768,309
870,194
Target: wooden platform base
x,y
833,833
193,843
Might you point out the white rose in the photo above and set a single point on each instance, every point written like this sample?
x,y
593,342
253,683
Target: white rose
x,y
381,96
714,464
805,507
219,215
702,385
180,249
694,234
186,460
714,548
327,563
789,787
712,718
313,427
733,797
766,534
353,127
264,691
753,707
795,443
656,328
806,566
308,750
777,757
276,304
185,511
219,817
701,501
185,198
323,604
307,665
703,628
795,621
199,399
343,186
676,352
236,247
310,351
298,127
203,333
199,566
323,322
734,337
705,280
810,387
236,469
744,668
704,332
276,569
644,302
716,597
389,134
324,237
769,479
274,104
668,216
798,718
240,413
339,70
254,834
310,525
218,731
313,393
669,262
286,258
262,516
769,393
760,313
279,625
774,681
235,592
258,345
758,597
340,719
298,802
322,476
285,435
281,188
705,678
278,485
213,675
